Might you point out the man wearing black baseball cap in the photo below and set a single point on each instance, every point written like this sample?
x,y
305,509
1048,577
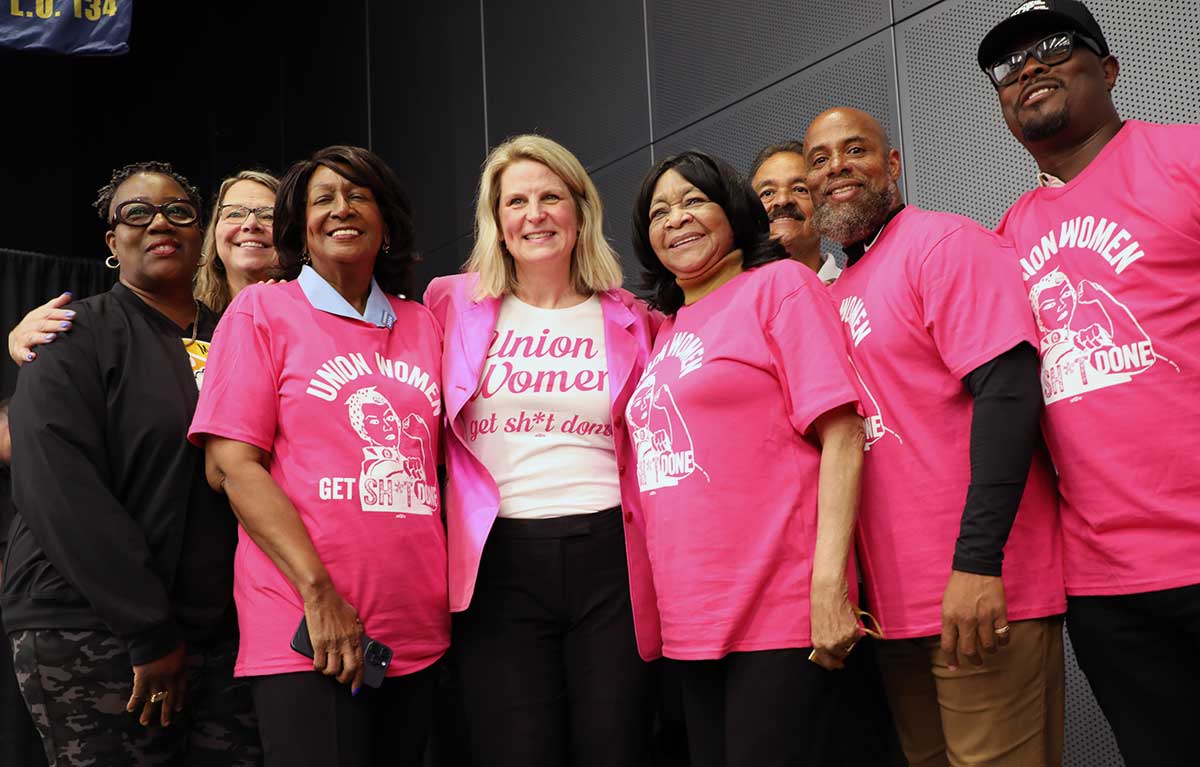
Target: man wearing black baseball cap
x,y
1108,246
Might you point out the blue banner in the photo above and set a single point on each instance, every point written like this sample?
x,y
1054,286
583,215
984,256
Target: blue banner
x,y
81,27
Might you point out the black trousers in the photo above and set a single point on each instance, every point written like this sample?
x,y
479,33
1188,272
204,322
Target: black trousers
x,y
863,732
769,708
546,652
309,718
1141,655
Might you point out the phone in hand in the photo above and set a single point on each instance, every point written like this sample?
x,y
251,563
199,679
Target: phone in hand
x,y
376,655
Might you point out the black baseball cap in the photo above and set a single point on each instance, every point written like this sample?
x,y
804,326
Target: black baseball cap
x,y
1040,15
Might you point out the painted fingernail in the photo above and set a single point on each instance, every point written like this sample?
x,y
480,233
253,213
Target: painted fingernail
x,y
69,293
65,325
354,692
49,337
70,314
29,357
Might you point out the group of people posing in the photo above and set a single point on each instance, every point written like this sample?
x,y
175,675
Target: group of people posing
x,y
707,473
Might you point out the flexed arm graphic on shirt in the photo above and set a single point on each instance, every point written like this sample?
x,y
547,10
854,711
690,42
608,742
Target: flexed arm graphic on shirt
x,y
395,474
418,465
664,446
1090,340
1121,328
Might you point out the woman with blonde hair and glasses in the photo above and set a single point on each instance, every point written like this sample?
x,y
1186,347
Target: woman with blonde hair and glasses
x,y
237,251
548,567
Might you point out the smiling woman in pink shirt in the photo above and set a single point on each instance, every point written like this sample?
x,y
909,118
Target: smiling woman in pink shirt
x,y
319,419
548,570
749,449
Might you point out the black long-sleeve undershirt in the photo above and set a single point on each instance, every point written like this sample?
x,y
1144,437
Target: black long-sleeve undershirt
x,y
1004,435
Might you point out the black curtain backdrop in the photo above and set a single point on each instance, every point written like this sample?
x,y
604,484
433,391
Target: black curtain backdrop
x,y
31,279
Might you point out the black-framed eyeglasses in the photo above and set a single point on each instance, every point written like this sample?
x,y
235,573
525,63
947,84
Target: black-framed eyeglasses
x,y
141,213
1050,50
239,213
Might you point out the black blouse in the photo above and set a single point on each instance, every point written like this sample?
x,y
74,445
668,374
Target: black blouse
x,y
115,525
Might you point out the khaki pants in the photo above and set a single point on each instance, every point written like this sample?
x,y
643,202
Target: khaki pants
x,y
1006,713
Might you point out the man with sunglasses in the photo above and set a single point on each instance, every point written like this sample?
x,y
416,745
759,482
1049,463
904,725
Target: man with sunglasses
x,y
1107,246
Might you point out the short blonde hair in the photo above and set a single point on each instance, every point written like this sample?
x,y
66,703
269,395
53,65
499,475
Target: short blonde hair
x,y
212,282
594,264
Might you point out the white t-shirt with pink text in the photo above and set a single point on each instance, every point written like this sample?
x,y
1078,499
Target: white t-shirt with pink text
x,y
727,462
1111,269
931,300
541,420
349,414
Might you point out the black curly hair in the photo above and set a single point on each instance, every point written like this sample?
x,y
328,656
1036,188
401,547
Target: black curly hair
x,y
394,266
104,196
722,185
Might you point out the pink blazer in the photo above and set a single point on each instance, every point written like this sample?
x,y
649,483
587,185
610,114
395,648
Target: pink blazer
x,y
472,498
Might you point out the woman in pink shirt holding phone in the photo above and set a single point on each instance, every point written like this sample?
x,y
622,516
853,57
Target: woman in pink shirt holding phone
x,y
319,417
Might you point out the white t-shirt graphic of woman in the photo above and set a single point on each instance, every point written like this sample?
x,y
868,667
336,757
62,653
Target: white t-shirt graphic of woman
x,y
395,474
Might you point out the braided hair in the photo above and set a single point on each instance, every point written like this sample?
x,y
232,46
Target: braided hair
x,y
104,196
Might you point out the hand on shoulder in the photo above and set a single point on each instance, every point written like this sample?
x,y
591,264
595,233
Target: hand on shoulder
x,y
40,326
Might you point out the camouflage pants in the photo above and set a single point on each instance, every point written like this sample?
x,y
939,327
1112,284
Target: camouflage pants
x,y
76,685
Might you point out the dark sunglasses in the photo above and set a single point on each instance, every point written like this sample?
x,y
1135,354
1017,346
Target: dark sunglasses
x,y
1051,50
141,213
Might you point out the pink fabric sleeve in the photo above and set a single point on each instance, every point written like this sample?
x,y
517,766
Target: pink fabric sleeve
x,y
240,396
808,354
1186,173
973,302
437,299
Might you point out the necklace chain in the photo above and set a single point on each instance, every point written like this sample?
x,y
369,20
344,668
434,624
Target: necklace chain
x,y
195,323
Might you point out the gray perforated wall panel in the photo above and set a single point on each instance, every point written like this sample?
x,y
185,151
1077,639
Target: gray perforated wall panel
x,y
705,55
862,76
574,71
905,8
618,185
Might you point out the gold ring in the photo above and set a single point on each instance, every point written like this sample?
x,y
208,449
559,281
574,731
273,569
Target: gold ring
x,y
1003,630
158,696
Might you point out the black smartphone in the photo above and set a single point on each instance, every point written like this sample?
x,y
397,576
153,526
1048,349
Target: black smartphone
x,y
376,655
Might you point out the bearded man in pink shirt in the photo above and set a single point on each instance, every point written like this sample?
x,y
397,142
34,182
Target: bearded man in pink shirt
x,y
1107,246
958,531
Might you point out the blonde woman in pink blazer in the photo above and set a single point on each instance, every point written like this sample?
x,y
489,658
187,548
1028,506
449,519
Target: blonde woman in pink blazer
x,y
549,577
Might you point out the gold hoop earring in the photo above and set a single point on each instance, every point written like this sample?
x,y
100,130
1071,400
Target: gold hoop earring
x,y
112,262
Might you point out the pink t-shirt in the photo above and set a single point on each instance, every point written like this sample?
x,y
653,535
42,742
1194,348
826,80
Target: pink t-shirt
x,y
726,466
349,412
1111,264
934,298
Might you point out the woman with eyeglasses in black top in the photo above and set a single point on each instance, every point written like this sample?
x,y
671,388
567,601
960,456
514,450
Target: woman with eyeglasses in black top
x,y
117,595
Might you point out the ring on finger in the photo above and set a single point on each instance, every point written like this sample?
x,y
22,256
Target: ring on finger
x,y
1003,630
158,696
